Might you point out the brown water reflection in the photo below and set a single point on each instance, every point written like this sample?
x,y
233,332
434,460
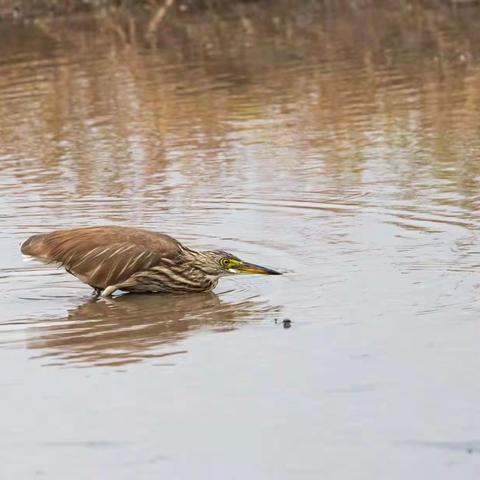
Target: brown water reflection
x,y
132,328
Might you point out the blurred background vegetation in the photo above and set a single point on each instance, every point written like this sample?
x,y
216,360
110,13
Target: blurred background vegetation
x,y
209,22
156,10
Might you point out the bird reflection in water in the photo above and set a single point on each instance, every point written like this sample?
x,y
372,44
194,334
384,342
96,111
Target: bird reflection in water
x,y
136,327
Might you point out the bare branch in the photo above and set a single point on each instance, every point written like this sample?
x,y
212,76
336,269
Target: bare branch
x,y
157,18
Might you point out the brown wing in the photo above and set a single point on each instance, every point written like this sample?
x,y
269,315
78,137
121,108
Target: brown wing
x,y
103,256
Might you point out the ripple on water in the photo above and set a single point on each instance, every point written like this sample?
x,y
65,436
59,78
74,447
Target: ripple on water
x,y
129,328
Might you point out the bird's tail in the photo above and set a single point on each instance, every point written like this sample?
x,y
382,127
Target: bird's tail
x,y
34,247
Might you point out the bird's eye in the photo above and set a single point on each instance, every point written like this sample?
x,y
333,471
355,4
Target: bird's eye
x,y
225,262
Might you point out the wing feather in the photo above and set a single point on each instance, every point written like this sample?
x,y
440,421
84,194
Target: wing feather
x,y
103,256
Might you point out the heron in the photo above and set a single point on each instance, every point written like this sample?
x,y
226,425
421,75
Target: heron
x,y
115,258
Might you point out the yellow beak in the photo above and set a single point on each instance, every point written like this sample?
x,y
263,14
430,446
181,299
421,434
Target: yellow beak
x,y
244,267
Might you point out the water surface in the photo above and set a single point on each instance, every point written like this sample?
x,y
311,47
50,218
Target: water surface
x,y
349,160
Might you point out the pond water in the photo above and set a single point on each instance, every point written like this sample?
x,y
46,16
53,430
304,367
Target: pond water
x,y
346,157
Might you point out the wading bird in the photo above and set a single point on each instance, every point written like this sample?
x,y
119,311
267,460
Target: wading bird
x,y
135,260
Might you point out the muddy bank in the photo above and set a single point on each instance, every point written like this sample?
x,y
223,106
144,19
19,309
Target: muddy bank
x,y
156,11
255,31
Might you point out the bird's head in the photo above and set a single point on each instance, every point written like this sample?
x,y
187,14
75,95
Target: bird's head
x,y
224,263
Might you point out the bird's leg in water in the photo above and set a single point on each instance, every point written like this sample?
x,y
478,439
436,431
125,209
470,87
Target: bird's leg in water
x,y
109,290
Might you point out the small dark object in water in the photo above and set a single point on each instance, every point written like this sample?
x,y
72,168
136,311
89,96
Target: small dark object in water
x,y
287,323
